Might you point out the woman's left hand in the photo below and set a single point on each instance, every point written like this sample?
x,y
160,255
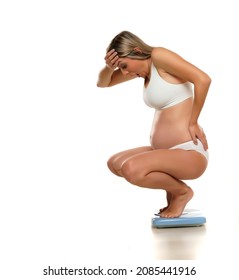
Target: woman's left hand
x,y
197,133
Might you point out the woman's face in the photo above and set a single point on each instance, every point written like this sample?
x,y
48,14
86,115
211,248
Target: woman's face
x,y
133,67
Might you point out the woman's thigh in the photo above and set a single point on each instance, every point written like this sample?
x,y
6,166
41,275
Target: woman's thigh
x,y
115,161
178,163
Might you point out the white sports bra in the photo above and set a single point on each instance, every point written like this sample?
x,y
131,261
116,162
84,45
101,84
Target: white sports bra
x,y
161,94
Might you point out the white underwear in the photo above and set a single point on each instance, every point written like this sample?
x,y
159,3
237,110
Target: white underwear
x,y
191,146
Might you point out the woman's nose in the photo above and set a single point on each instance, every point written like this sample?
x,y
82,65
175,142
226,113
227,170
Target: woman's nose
x,y
125,72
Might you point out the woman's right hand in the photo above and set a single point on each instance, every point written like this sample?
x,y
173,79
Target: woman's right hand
x,y
112,59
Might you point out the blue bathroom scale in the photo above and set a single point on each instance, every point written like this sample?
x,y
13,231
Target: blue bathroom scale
x,y
189,218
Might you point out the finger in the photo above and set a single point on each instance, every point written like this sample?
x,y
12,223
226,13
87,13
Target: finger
x,y
205,146
194,137
113,64
109,53
112,60
113,56
195,140
204,142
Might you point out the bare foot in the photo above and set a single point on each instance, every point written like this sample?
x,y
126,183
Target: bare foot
x,y
163,209
169,196
177,204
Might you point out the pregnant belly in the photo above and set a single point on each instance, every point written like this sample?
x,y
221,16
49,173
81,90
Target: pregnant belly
x,y
165,136
170,126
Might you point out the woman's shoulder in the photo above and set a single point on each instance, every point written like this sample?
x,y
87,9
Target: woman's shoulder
x,y
157,56
161,52
162,56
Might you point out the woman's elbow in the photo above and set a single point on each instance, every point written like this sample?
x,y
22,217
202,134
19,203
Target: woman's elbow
x,y
207,80
101,85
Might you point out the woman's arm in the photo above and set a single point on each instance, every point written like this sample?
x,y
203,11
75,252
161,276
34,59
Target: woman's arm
x,y
104,77
110,75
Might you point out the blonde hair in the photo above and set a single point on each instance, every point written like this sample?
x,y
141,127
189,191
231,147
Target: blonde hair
x,y
125,43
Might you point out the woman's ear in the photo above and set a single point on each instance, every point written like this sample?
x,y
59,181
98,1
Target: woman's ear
x,y
138,50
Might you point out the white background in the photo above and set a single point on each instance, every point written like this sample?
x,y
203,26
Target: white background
x,y
57,129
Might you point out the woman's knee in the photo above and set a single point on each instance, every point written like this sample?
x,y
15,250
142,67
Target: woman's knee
x,y
111,163
131,172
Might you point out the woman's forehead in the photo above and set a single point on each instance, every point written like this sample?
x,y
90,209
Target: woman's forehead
x,y
124,60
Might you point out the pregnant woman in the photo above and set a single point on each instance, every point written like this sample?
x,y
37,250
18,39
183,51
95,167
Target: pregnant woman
x,y
177,90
